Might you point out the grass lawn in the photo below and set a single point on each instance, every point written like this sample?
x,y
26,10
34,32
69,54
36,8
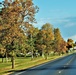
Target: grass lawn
x,y
22,63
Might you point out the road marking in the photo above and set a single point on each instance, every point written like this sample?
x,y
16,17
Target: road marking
x,y
67,63
37,66
71,60
40,65
19,73
64,66
59,71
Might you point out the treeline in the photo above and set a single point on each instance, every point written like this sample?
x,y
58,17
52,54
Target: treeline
x,y
19,36
45,40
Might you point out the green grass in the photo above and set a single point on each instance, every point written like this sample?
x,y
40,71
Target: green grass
x,y
22,63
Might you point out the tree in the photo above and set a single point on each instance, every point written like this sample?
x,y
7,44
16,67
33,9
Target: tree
x,y
13,15
63,46
58,41
69,43
45,37
31,33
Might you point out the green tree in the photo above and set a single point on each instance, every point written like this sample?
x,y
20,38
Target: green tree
x,y
31,33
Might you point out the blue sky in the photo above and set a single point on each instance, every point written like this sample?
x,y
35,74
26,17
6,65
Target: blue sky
x,y
60,13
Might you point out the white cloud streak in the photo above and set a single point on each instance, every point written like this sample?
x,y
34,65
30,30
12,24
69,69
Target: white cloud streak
x,y
65,22
70,24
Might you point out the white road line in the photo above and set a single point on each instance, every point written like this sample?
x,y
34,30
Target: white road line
x,y
40,65
67,64
64,66
37,66
60,71
19,73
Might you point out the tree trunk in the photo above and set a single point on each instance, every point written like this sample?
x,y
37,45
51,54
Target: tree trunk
x,y
32,55
43,54
6,57
13,59
13,62
46,55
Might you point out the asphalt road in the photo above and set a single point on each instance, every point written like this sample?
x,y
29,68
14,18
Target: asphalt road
x,y
63,66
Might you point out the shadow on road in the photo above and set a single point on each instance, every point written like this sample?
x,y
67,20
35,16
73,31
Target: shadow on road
x,y
63,67
55,68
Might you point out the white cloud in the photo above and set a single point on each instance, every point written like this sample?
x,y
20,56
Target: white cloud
x,y
70,24
65,22
42,21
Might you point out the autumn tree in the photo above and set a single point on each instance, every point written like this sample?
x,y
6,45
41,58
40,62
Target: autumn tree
x,y
13,15
45,38
69,43
63,47
59,43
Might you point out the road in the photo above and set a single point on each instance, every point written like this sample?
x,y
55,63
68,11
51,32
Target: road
x,y
62,66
